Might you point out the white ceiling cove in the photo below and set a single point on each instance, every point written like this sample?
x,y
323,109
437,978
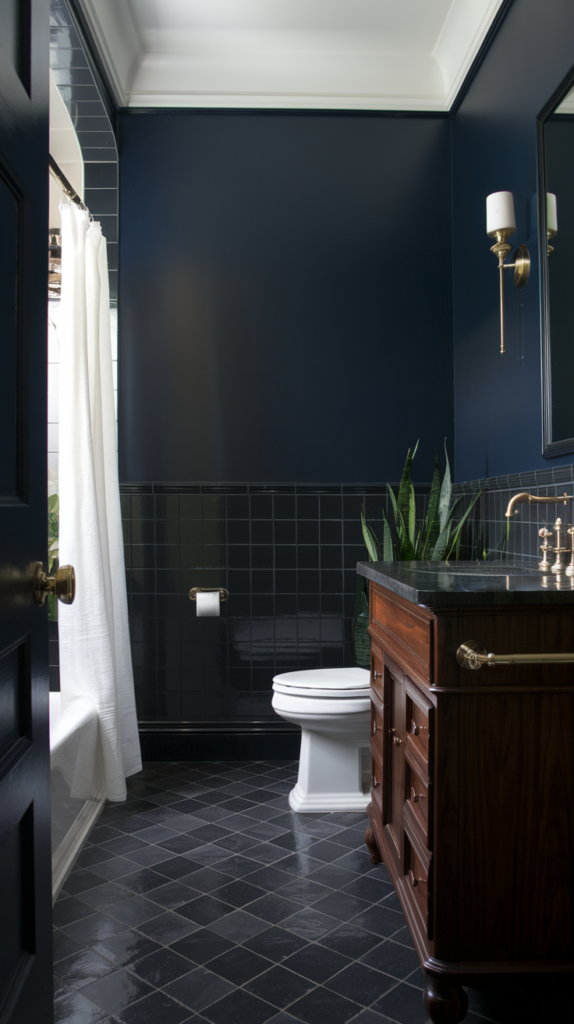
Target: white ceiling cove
x,y
297,54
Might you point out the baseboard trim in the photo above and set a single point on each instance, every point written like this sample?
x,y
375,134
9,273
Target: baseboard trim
x,y
249,742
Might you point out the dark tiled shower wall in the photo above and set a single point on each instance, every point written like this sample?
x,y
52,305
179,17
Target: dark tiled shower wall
x,y
489,531
286,553
82,92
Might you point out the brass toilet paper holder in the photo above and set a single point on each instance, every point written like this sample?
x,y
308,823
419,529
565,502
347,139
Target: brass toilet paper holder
x,y
223,593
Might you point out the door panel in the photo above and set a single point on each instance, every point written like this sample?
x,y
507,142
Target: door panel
x,y
25,855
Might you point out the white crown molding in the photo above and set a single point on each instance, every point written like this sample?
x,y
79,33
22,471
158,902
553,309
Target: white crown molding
x,y
117,40
234,63
462,35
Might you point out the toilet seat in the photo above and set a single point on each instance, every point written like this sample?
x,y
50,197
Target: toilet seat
x,y
325,684
320,707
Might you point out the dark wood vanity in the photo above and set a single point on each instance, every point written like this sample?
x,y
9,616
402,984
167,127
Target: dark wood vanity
x,y
472,800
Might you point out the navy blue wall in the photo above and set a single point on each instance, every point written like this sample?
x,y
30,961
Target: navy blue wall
x,y
286,303
498,398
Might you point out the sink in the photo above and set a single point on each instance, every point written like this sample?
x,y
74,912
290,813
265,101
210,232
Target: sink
x,y
486,569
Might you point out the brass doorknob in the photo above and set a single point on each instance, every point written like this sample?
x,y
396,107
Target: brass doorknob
x,y
63,584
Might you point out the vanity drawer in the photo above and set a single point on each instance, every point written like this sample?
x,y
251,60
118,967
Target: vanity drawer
x,y
418,722
377,784
417,795
376,726
404,631
417,881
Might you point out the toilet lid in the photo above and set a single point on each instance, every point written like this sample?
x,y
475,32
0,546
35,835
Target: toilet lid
x,y
331,683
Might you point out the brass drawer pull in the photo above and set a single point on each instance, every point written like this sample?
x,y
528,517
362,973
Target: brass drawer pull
x,y
415,797
414,728
374,782
414,880
377,675
376,728
397,741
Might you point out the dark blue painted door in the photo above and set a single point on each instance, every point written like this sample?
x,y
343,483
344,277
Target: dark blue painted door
x,y
25,856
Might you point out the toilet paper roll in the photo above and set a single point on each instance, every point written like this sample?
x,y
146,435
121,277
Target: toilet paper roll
x,y
208,604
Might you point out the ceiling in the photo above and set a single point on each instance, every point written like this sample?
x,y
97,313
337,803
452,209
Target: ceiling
x,y
296,54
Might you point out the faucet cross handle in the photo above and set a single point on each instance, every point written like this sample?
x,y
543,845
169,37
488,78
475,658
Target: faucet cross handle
x,y
545,565
570,566
558,548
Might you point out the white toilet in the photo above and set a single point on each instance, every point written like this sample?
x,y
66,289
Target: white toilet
x,y
332,706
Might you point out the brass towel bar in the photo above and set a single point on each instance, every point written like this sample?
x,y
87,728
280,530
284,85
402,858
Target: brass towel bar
x,y
472,655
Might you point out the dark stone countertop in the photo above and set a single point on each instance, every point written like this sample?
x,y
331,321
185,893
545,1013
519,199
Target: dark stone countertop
x,y
451,584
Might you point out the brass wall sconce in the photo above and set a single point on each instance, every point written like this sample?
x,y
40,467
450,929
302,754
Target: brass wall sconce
x,y
500,224
551,218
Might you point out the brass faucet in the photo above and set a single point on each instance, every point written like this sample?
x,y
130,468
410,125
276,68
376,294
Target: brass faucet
x,y
523,497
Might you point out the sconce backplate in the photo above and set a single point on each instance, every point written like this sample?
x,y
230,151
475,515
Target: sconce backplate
x,y
521,266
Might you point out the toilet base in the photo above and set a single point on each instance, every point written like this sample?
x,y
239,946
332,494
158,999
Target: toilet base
x,y
326,802
331,771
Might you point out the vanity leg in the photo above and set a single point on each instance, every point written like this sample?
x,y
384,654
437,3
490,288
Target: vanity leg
x,y
372,846
445,1001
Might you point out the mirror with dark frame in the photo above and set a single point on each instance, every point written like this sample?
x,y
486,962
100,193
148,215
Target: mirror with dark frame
x,y
556,234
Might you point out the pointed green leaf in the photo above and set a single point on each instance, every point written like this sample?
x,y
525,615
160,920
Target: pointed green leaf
x,y
462,522
388,553
403,500
412,515
370,540
431,525
444,509
441,544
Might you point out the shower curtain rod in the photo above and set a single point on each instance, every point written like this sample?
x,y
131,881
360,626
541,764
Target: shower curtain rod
x,y
60,177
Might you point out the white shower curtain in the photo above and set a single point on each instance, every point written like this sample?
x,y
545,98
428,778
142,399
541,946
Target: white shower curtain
x,y
95,657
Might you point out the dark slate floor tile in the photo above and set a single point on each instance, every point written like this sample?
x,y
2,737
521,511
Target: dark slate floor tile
x,y
276,944
141,881
80,969
74,1008
126,946
93,929
199,989
321,1006
358,861
392,902
64,945
269,878
392,958
110,870
317,962
404,937
342,905
92,855
175,868
69,909
202,946
103,896
161,967
238,926
116,991
239,965
180,844
172,895
403,1004
167,928
369,888
301,864
205,909
239,1008
268,853
333,875
380,921
134,911
208,855
274,908
293,841
303,890
279,986
123,845
103,834
237,842
350,940
205,880
81,880
371,1017
327,851
310,923
361,984
153,1008
239,893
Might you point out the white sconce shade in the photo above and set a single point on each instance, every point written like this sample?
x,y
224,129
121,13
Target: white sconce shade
x,y
500,213
551,213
